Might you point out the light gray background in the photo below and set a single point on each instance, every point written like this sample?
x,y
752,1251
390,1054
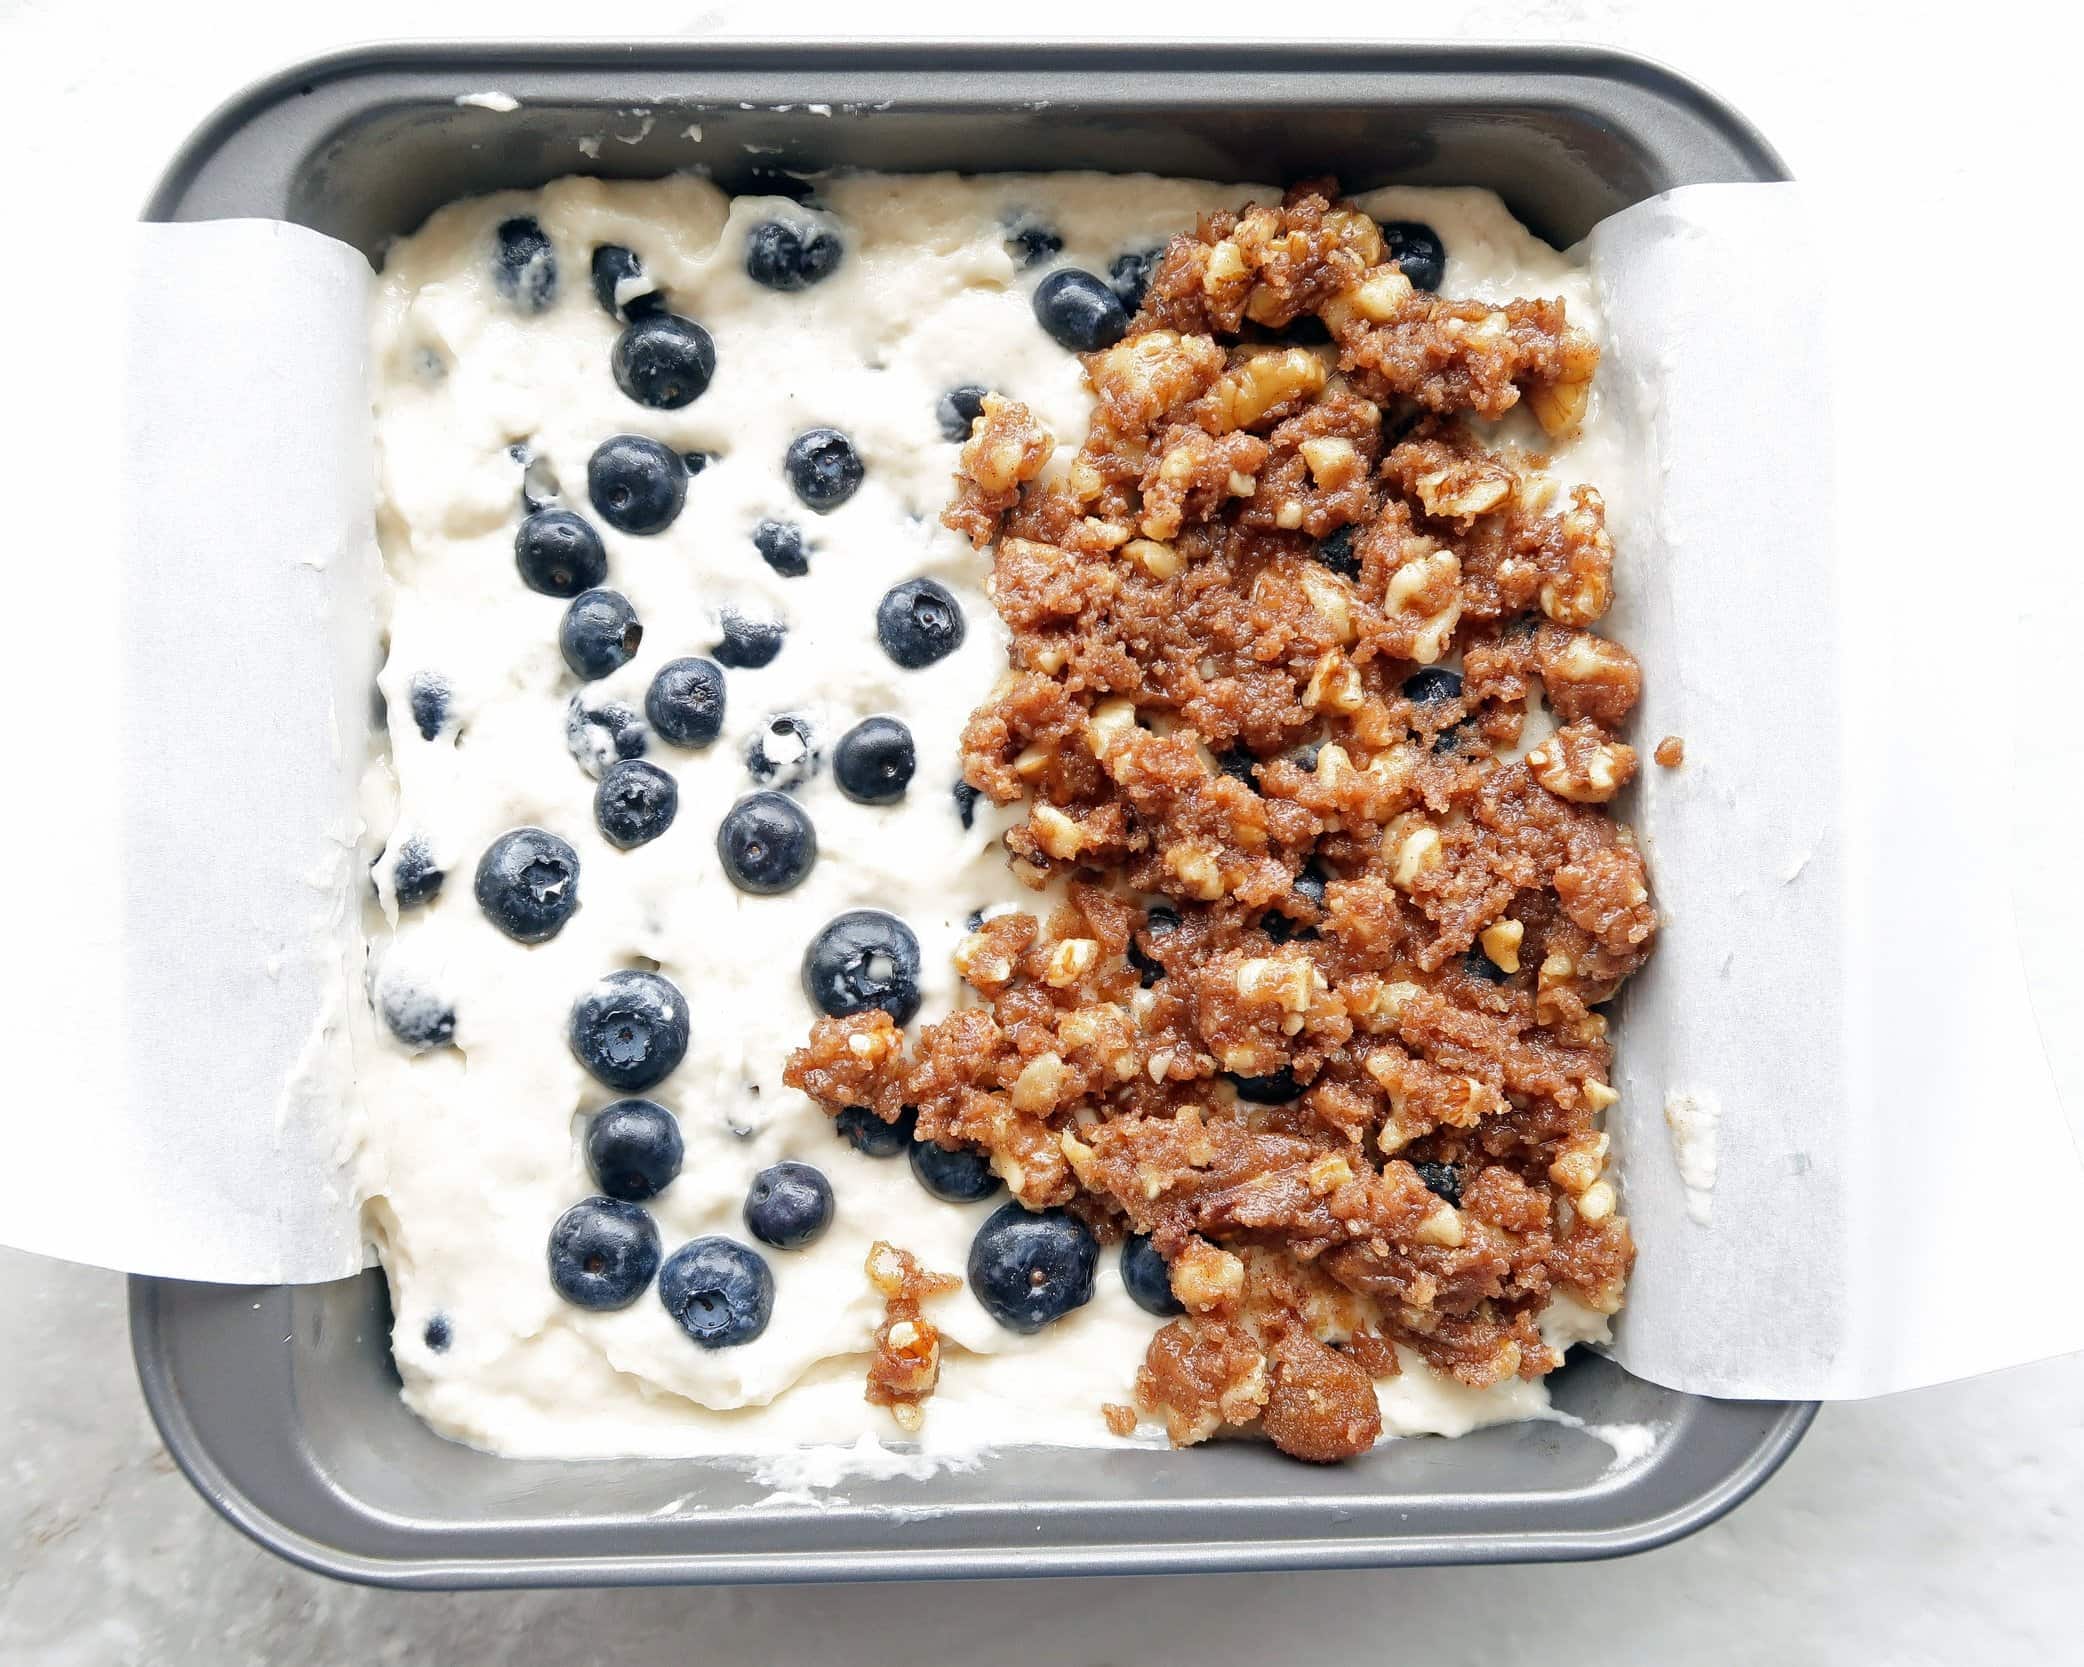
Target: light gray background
x,y
1936,1527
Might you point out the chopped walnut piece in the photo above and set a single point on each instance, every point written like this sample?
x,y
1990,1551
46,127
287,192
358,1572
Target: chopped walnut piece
x,y
906,1367
1006,449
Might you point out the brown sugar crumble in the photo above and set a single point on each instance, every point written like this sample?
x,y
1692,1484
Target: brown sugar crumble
x,y
906,1367
1671,752
1317,1003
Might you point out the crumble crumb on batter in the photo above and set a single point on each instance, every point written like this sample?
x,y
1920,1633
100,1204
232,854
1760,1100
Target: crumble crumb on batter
x,y
906,1368
1671,752
1120,1420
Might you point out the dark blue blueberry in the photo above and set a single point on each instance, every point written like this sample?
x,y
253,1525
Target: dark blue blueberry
x,y
559,554
1028,1268
697,461
633,1148
1032,242
603,1253
1305,330
783,754
1336,552
720,1291
748,643
966,798
954,1177
869,1135
874,761
1079,311
1443,1180
1432,683
823,467
600,633
1276,1088
415,876
419,1017
635,803
630,1030
1149,969
664,361
1304,758
428,693
1277,926
919,622
528,884
1417,250
781,547
524,266
789,1205
1158,920
596,736
1147,1279
957,409
636,484
862,959
617,275
766,844
685,702
1310,884
438,1334
1453,738
1130,275
788,258
1239,763
1482,968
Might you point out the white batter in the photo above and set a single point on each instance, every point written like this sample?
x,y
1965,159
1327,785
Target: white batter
x,y
471,1151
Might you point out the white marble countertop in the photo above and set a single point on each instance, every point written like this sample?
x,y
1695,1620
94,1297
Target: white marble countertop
x,y
1941,1526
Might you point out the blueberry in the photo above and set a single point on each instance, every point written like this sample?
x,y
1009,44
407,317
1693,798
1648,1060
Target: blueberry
x,y
957,409
1161,918
428,693
954,1177
603,1253
1079,311
1147,1279
766,844
1417,250
966,798
919,622
1029,1268
1158,920
630,1030
748,643
874,760
559,554
789,1205
524,266
419,1017
1239,763
1443,1180
415,876
685,702
862,959
636,484
599,634
438,1334
697,461
1310,884
528,884
1336,552
1149,969
823,467
789,258
1277,926
1431,683
635,803
596,736
1277,1088
633,1148
664,361
1032,242
869,1135
1482,968
1305,330
720,1291
618,284
781,547
1130,276
783,754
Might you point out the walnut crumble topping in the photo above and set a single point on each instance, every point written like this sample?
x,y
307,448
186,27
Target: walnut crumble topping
x,y
1318,1007
906,1367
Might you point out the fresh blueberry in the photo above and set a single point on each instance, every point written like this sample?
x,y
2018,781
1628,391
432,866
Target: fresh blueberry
x,y
559,554
1147,1279
869,1135
524,266
1432,683
1032,241
1240,763
1277,926
630,1030
783,754
1304,758
1482,968
1305,330
685,702
600,633
636,484
1276,1088
1417,250
664,361
415,876
957,409
1336,552
1029,1268
789,1205
1160,918
766,844
788,258
603,1253
919,622
596,736
697,461
1310,884
438,1334
954,1177
781,547
1443,1180
1130,276
862,959
635,803
720,1291
528,884
428,693
1149,969
966,798
633,1148
419,1017
823,467
874,760
1079,311
619,286
748,643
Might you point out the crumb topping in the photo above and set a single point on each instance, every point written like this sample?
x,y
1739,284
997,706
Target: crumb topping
x,y
906,1367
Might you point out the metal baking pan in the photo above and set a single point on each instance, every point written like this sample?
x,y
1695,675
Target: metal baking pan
x,y
281,1404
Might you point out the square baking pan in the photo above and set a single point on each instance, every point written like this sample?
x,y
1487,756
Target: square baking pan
x,y
282,1404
